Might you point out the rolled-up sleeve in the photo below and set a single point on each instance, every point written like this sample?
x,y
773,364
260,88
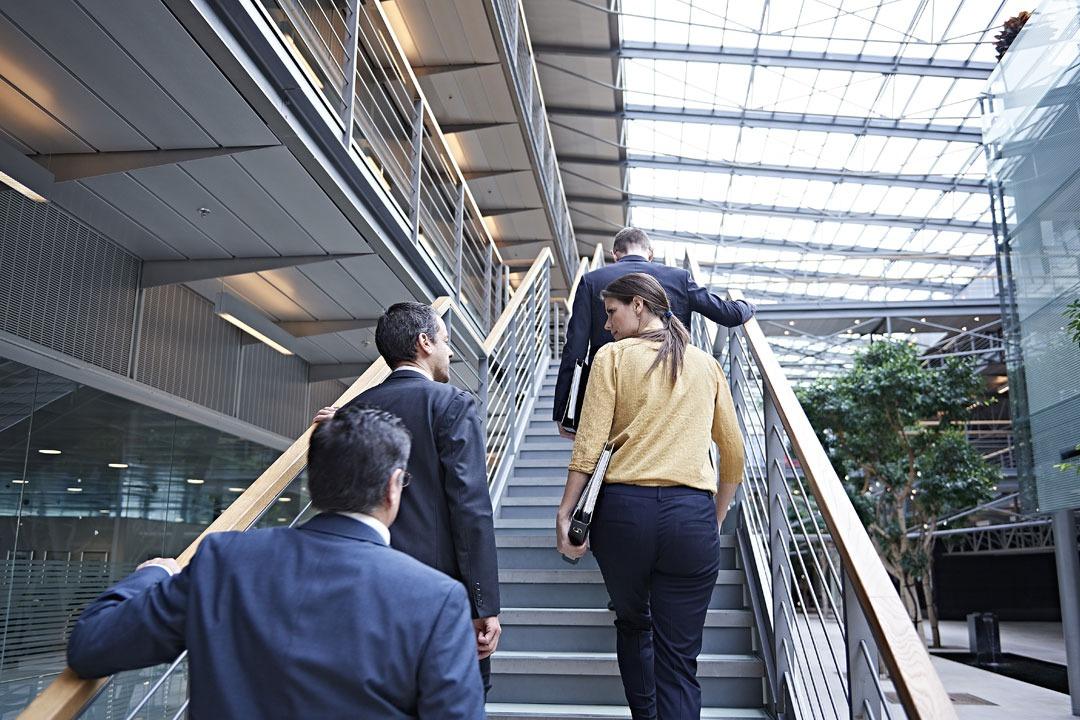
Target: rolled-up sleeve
x,y
597,412
726,434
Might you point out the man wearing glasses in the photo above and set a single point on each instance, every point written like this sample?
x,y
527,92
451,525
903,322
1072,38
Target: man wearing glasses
x,y
319,621
445,519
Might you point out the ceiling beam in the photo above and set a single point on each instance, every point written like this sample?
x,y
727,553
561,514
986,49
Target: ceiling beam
x,y
76,166
813,276
463,127
484,174
336,371
931,182
423,70
783,120
982,308
915,223
169,272
494,212
851,251
308,328
779,58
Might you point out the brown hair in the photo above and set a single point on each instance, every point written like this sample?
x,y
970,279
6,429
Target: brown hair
x,y
630,237
674,337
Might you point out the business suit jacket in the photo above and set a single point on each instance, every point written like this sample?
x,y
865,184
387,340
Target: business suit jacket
x,y
445,519
586,333
320,621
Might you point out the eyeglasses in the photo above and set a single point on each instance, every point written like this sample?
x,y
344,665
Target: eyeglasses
x,y
406,478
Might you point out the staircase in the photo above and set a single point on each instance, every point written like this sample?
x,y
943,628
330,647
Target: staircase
x,y
556,658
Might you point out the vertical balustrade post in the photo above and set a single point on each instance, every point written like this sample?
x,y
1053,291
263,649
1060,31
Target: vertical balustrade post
x,y
417,168
352,23
483,372
779,545
556,349
511,384
862,676
489,290
506,292
459,240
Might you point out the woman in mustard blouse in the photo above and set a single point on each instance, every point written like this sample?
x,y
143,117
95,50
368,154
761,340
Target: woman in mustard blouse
x,y
655,532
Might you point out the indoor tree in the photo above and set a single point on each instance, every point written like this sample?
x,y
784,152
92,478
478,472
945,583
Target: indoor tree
x,y
893,428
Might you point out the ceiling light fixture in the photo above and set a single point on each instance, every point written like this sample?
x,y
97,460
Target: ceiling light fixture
x,y
20,188
252,322
118,466
74,489
284,499
47,451
976,318
195,481
240,490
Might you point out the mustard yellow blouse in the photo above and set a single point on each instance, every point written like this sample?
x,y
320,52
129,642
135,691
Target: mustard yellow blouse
x,y
661,432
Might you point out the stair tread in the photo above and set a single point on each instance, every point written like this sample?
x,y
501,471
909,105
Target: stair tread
x,y
527,540
578,577
606,663
588,712
721,617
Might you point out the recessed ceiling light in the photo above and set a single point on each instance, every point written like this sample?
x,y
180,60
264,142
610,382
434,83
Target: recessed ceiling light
x,y
976,318
103,511
284,499
858,321
281,519
195,481
21,482
119,466
49,452
74,489
965,328
922,319
236,489
912,329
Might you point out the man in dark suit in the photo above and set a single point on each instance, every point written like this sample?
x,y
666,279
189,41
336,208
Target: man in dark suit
x,y
445,519
585,334
320,621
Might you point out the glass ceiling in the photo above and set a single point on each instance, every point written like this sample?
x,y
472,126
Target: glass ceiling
x,y
839,214
865,238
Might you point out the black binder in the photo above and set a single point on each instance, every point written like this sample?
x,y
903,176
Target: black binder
x,y
572,413
582,516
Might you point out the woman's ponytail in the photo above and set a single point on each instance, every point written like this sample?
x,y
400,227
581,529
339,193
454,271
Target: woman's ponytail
x,y
674,337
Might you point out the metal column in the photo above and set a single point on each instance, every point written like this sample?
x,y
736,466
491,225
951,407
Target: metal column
x,y
862,664
418,166
1068,572
779,537
352,20
459,240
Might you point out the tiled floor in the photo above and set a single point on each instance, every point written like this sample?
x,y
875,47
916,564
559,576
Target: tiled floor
x,y
1013,700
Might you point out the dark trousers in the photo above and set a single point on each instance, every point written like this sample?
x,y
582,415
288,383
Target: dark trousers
x,y
659,552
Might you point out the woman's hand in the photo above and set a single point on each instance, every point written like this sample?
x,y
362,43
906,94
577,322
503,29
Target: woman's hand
x,y
562,537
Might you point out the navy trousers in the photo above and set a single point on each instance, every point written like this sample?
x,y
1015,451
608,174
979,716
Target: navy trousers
x,y
659,552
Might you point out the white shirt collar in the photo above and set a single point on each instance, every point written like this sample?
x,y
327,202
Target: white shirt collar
x,y
412,369
384,532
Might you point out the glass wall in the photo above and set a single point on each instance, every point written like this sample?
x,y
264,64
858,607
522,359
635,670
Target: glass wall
x,y
90,486
1032,133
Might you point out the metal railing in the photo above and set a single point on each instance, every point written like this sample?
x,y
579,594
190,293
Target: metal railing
x,y
827,611
350,56
505,369
516,49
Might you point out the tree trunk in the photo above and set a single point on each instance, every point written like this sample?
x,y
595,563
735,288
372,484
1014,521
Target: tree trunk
x,y
928,598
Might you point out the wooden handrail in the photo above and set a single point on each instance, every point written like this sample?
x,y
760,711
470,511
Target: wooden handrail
x,y
501,325
917,683
68,694
597,257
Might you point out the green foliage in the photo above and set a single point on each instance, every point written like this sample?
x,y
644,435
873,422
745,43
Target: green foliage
x,y
1072,314
892,429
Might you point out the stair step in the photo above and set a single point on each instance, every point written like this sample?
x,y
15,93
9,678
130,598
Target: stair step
x,y
540,501
543,556
517,676
557,443
593,630
532,541
584,588
538,711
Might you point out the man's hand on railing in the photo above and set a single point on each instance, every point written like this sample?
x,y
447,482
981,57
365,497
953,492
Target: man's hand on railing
x,y
169,565
323,415
563,432
488,632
